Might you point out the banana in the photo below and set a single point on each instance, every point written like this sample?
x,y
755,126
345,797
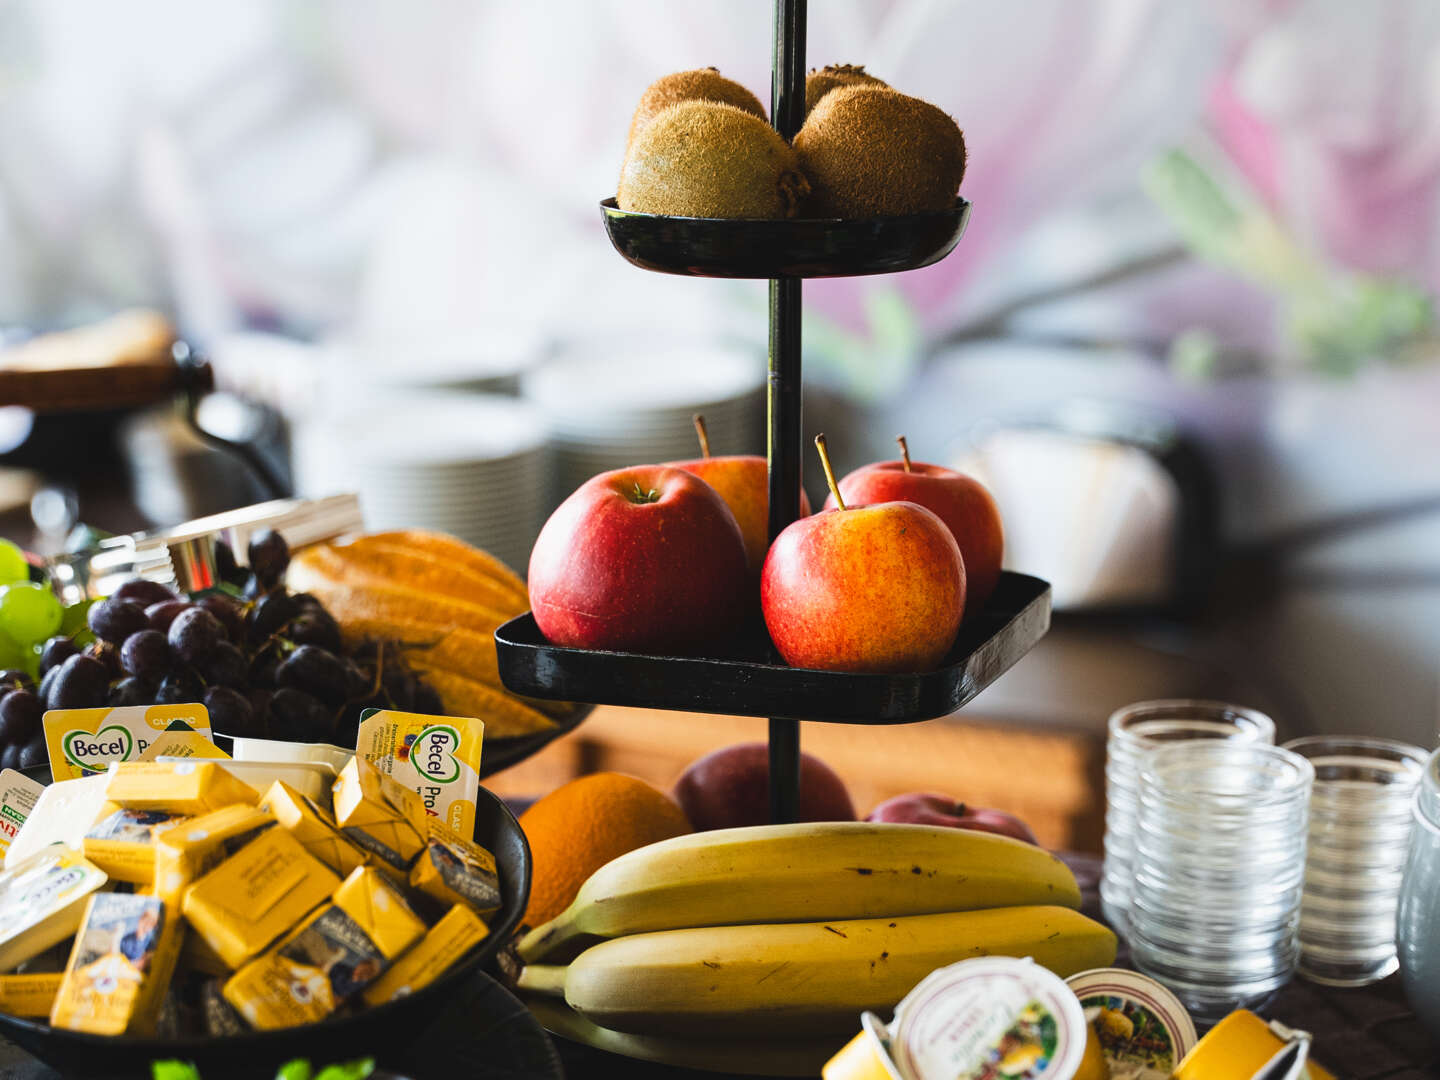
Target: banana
x,y
803,873
791,980
734,1056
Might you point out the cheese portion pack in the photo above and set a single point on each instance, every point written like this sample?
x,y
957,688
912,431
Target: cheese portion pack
x,y
447,941
436,756
120,967
334,955
121,842
83,742
190,849
62,815
257,895
454,870
42,901
186,788
308,824
18,796
29,995
381,816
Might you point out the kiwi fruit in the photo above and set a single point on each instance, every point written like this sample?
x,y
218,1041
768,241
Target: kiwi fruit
x,y
869,151
821,82
702,84
705,159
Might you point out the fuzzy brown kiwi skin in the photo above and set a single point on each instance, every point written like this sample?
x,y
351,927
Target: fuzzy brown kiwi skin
x,y
699,84
820,82
869,151
705,159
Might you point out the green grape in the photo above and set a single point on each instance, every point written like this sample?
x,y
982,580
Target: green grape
x,y
13,566
29,612
12,655
74,622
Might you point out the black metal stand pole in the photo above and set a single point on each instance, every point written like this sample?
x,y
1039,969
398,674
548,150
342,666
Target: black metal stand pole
x,y
785,447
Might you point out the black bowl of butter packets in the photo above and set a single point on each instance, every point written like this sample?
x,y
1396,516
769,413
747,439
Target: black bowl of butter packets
x,y
241,937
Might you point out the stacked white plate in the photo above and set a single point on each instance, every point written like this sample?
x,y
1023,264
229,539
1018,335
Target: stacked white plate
x,y
612,406
475,466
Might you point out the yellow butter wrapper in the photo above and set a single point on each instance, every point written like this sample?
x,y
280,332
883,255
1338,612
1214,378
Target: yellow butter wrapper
x,y
120,967
182,744
42,901
308,824
338,951
18,796
380,815
454,870
187,788
122,842
29,995
256,895
83,742
185,852
459,931
437,756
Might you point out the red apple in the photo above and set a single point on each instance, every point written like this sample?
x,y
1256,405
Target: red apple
x,y
864,588
731,787
960,501
922,809
645,559
743,481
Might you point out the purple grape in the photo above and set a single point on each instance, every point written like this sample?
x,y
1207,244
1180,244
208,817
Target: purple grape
x,y
319,673
130,691
114,619
10,756
82,682
194,634
20,714
260,706
270,614
57,650
226,666
226,568
161,615
314,627
108,654
34,753
269,556
143,592
298,717
231,714
146,655
228,612
47,686
358,684
262,669
13,679
180,688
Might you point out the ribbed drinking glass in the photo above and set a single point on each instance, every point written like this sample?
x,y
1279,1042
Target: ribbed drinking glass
x,y
1360,821
1134,730
1219,869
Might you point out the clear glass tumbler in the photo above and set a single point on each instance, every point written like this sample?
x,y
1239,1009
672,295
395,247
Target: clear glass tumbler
x,y
1360,818
1132,731
1219,869
1417,926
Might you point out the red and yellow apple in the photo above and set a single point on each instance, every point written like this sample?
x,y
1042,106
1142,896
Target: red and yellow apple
x,y
919,808
878,588
960,501
743,481
729,788
645,559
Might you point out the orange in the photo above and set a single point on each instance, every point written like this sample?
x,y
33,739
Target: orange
x,y
580,827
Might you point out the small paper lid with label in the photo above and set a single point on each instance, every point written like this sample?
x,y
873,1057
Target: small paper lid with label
x,y
1141,1025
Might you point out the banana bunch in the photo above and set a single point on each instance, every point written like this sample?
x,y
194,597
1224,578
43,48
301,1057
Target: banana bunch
x,y
781,935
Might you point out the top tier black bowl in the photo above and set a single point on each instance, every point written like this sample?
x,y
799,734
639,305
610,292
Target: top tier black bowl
x,y
793,248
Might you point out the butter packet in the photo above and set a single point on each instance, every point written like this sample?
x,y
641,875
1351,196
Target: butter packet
x,y
182,744
381,816
437,756
121,842
333,956
256,895
459,931
18,796
29,995
120,968
454,870
42,901
63,815
186,851
83,742
186,788
308,824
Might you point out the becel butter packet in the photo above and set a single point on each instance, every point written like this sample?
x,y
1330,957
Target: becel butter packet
x,y
436,756
83,742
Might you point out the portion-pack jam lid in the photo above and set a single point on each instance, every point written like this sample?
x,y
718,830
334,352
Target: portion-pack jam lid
x,y
1142,1027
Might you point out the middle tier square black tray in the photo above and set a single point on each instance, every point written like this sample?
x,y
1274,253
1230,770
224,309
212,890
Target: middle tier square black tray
x,y
748,683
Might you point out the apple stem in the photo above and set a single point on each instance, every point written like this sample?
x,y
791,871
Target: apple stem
x,y
904,451
829,472
699,420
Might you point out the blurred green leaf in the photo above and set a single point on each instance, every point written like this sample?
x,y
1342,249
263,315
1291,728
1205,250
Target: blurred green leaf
x,y
173,1070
